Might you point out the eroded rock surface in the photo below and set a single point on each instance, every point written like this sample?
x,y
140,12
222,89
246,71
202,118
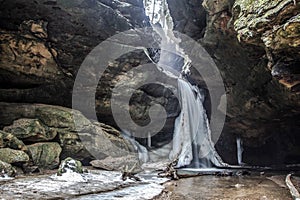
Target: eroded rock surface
x,y
275,26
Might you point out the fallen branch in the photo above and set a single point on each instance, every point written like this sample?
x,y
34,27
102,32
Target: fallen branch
x,y
129,173
170,170
294,192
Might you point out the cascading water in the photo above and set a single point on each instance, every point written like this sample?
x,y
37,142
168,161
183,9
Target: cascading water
x,y
192,144
192,135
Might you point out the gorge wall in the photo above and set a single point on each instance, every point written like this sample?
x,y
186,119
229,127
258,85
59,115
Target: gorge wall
x,y
262,108
256,48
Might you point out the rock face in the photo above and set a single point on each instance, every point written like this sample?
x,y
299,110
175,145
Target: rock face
x,y
259,109
42,51
275,26
255,45
190,19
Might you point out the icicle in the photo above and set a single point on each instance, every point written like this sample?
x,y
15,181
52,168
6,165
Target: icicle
x,y
149,140
239,145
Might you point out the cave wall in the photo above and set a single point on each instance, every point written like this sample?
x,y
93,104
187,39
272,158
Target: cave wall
x,y
43,44
260,108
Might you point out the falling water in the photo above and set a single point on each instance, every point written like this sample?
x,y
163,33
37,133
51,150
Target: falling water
x,y
240,149
192,135
142,151
192,144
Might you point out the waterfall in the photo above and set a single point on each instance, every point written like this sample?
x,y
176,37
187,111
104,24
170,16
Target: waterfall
x,y
239,147
192,144
140,149
192,135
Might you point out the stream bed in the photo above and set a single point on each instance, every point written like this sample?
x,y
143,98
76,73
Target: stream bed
x,y
271,187
107,185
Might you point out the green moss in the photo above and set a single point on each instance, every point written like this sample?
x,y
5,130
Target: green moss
x,y
13,156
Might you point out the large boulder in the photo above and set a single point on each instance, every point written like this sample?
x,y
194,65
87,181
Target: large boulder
x,y
45,155
118,163
12,156
31,130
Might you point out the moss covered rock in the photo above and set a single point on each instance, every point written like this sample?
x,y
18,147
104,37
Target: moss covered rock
x,y
60,117
6,169
12,156
80,138
9,140
45,155
31,130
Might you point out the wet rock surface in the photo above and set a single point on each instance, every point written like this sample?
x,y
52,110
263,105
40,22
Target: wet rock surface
x,y
93,185
209,187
